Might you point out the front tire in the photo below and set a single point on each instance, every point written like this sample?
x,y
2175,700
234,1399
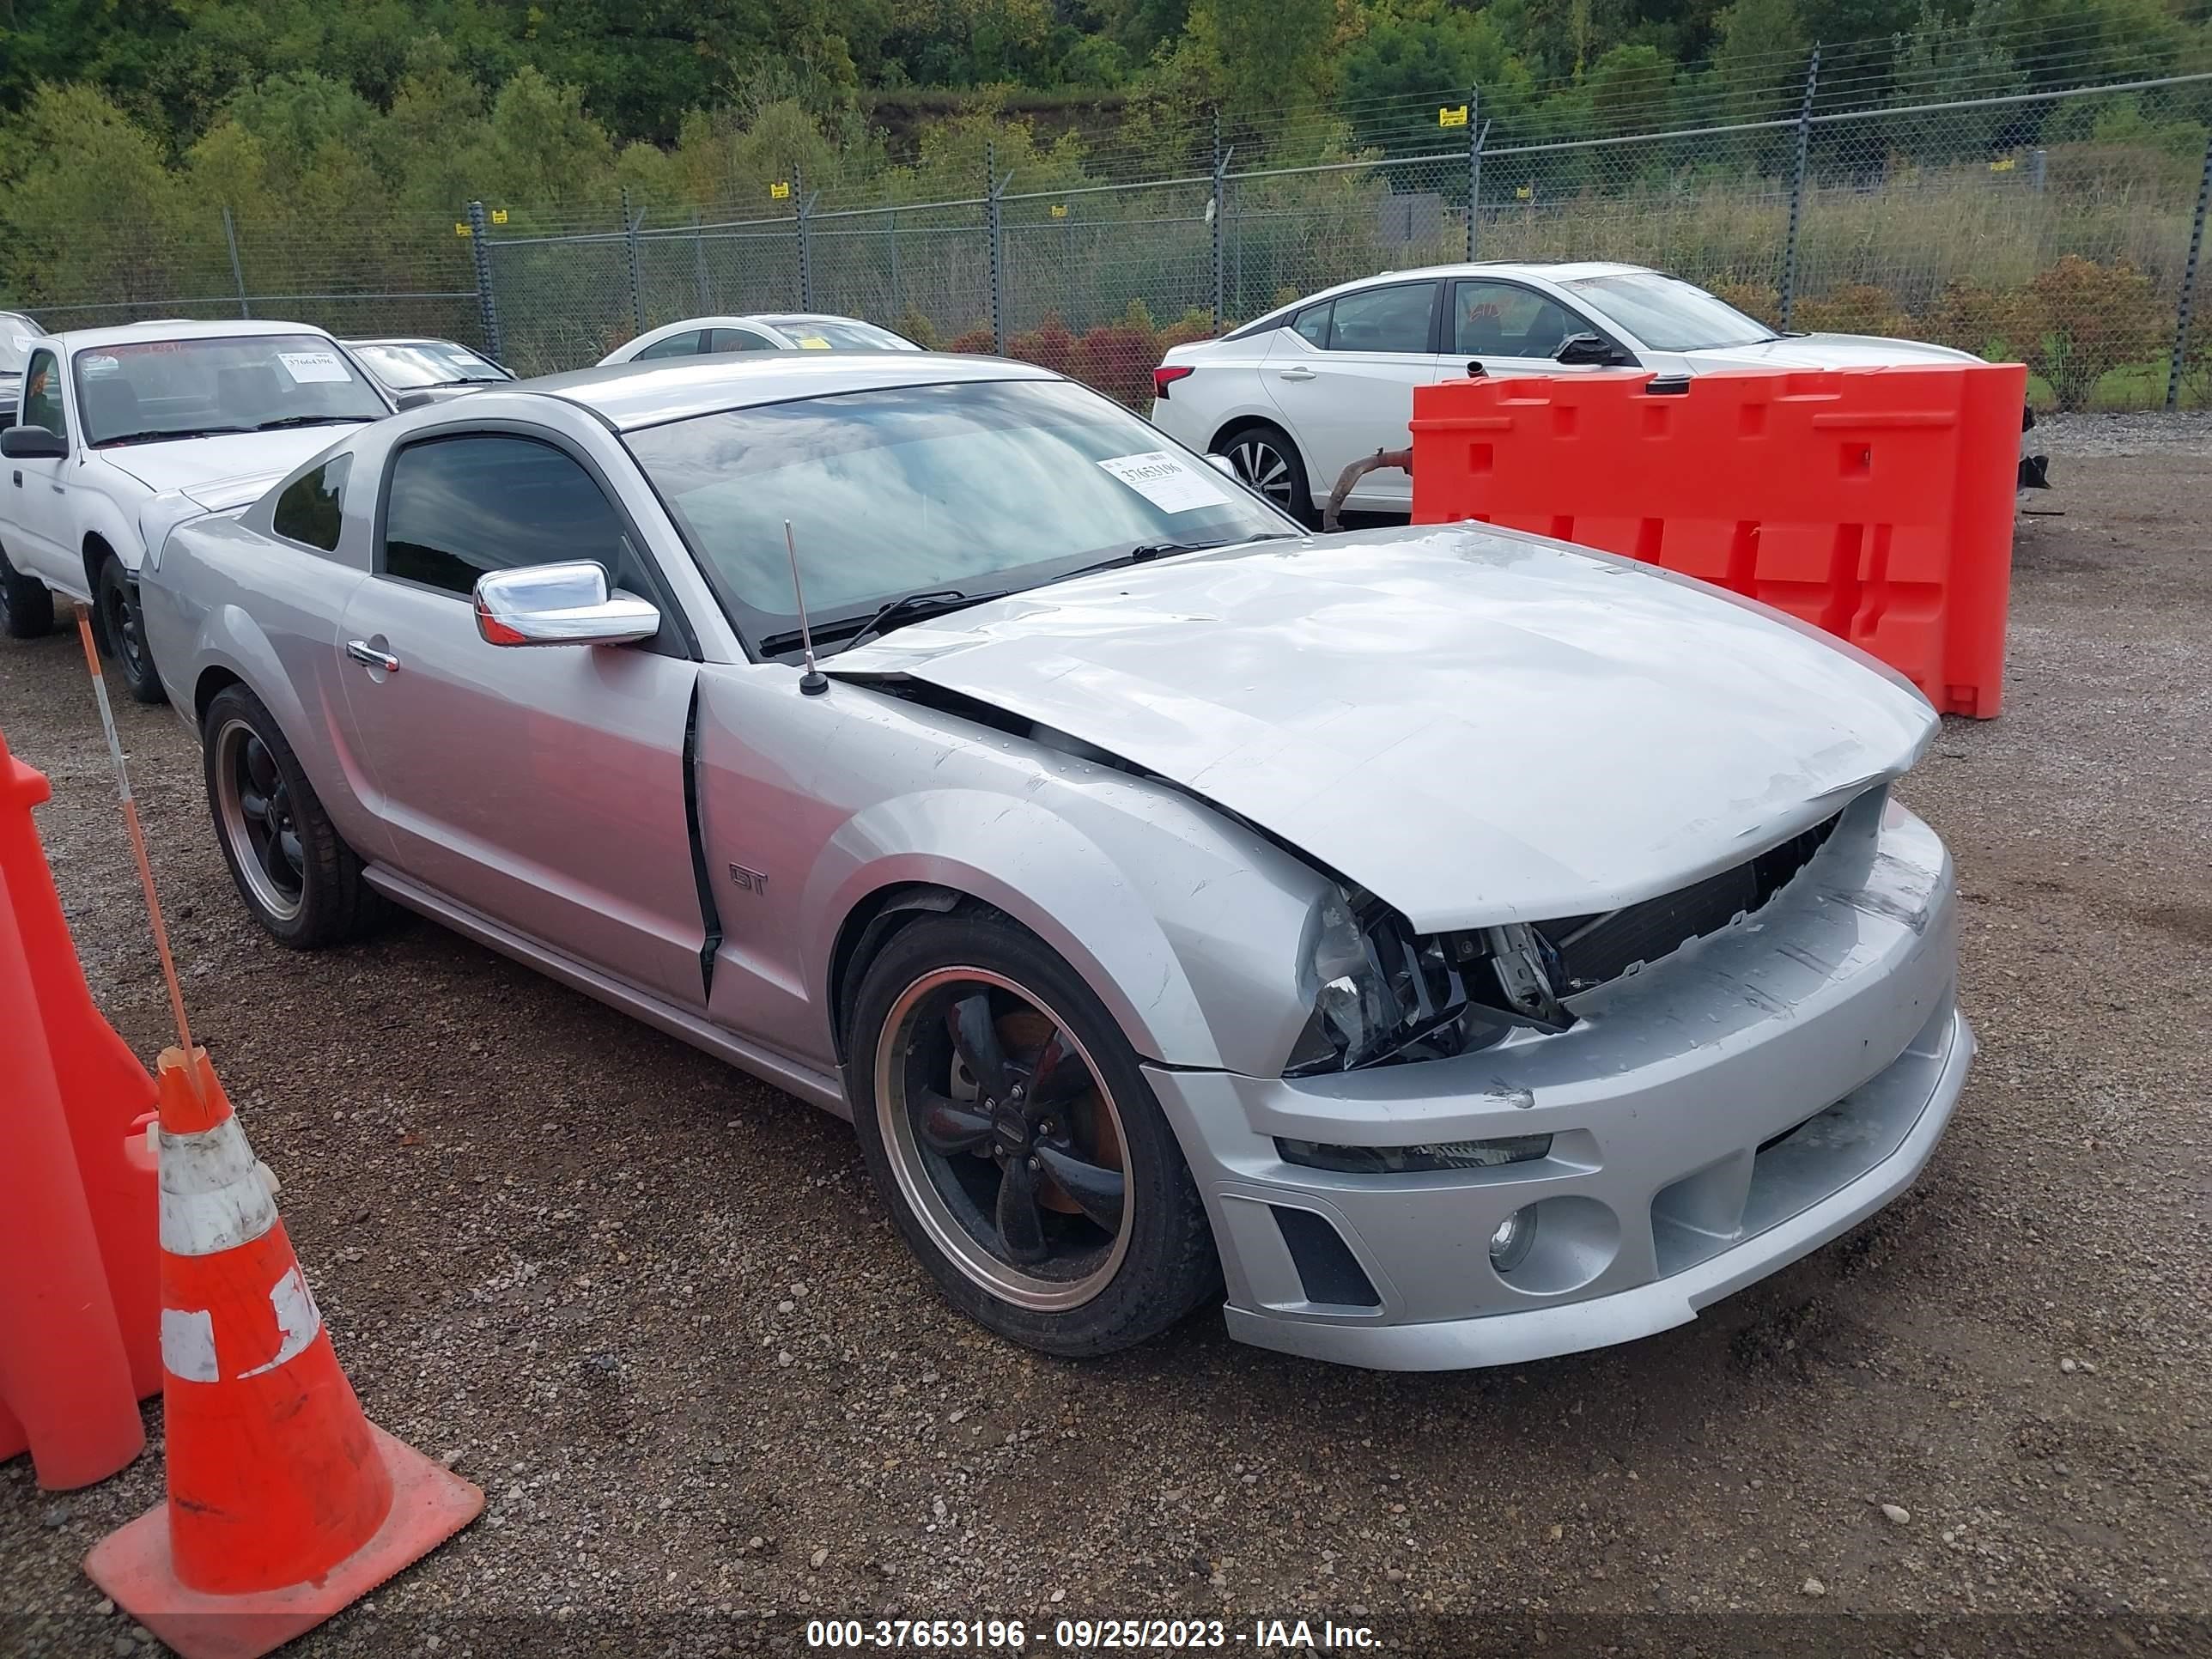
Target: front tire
x,y
1009,1126
26,604
297,876
125,631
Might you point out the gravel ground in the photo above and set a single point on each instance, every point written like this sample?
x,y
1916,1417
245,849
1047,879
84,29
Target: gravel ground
x,y
654,1309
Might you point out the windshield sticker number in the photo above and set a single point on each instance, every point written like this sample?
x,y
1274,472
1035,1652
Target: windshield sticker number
x,y
1166,481
308,367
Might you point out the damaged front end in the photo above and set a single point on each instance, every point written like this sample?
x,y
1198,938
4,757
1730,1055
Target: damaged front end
x,y
1383,994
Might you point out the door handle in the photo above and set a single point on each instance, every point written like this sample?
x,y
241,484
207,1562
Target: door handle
x,y
19,481
362,651
1297,374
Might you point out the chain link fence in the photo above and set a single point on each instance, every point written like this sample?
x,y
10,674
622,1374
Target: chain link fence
x,y
2062,228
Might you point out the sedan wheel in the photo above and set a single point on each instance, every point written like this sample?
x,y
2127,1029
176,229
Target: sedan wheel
x,y
1268,462
1010,1127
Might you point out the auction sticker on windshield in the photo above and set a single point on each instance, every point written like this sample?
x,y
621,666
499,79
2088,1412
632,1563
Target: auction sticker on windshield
x,y
1167,480
311,366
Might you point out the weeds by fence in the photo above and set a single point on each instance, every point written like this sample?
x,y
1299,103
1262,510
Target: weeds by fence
x,y
2062,228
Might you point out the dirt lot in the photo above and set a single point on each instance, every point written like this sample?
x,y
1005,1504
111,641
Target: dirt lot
x,y
655,1309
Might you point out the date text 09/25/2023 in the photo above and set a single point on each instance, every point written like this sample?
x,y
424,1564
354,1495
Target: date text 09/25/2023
x,y
1088,1635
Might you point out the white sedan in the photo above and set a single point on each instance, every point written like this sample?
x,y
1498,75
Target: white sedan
x,y
796,330
1295,398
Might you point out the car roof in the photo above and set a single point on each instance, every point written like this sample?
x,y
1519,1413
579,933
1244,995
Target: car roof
x,y
1557,271
633,395
176,328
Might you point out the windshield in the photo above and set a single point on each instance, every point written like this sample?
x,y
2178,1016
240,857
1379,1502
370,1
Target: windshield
x,y
980,487
1668,315
139,390
427,363
17,334
837,334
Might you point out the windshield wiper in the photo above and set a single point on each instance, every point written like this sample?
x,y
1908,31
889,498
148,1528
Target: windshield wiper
x,y
308,420
1144,552
162,437
906,608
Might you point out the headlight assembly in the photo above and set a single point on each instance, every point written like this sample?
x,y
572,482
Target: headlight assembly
x,y
1382,993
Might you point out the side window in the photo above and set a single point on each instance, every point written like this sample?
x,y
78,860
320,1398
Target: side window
x,y
42,404
739,339
676,345
1500,319
308,510
1312,325
459,506
1384,318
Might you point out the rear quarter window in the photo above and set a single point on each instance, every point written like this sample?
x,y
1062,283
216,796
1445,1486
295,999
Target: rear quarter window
x,y
310,507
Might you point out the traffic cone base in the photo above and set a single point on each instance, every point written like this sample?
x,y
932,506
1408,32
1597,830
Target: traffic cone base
x,y
134,1567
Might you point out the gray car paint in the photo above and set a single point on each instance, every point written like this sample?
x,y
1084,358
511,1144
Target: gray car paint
x,y
1489,727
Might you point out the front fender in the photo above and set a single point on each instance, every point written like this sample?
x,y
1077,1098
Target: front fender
x,y
1037,868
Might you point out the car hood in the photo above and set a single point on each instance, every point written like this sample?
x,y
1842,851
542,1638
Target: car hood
x,y
1828,351
198,464
1478,726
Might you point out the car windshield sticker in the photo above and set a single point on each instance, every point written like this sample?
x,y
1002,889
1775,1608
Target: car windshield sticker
x,y
1167,480
812,342
308,366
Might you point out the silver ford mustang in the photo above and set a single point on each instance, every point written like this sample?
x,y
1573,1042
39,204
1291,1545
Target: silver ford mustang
x,y
1445,946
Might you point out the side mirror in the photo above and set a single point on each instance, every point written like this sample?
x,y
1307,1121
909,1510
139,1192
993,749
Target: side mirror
x,y
559,604
1587,351
416,399
32,443
1225,467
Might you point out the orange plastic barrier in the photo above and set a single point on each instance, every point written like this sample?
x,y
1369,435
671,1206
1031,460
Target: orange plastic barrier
x,y
284,1502
1876,503
79,1298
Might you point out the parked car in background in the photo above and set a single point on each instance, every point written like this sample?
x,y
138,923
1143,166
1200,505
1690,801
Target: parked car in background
x,y
112,418
1295,396
16,333
794,331
435,369
1181,907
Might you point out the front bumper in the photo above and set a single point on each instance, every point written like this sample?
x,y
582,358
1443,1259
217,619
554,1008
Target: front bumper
x,y
1713,1118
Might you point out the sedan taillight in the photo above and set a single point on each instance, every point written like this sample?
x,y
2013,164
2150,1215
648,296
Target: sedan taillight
x,y
1166,376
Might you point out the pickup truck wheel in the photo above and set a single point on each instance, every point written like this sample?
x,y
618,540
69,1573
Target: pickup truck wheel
x,y
26,606
1006,1121
299,878
126,631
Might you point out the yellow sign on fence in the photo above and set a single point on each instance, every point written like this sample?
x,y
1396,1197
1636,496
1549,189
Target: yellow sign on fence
x,y
1060,210
2005,166
780,192
499,216
1454,117
460,229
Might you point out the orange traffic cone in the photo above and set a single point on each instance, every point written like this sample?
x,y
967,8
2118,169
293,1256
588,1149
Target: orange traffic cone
x,y
285,1503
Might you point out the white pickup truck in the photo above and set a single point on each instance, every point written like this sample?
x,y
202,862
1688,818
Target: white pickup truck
x,y
119,431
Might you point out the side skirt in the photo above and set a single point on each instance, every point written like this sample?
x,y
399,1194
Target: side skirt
x,y
821,1089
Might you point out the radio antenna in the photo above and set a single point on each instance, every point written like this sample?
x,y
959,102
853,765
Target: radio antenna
x,y
813,683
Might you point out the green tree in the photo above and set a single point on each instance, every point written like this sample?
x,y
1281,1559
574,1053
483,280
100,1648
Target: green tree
x,y
1426,47
1759,64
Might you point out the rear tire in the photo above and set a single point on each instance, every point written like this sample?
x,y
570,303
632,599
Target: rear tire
x,y
1106,1244
296,874
1269,462
125,631
26,604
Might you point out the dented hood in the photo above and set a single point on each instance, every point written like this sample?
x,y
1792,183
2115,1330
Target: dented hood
x,y
1478,726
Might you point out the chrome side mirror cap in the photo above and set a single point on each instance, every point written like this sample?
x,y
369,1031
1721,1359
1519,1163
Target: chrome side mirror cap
x,y
560,605
1225,466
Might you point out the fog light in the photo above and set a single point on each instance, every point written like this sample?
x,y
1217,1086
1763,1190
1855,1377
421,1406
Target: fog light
x,y
1510,1245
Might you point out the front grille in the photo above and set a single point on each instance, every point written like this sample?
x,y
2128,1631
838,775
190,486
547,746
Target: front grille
x,y
1596,948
